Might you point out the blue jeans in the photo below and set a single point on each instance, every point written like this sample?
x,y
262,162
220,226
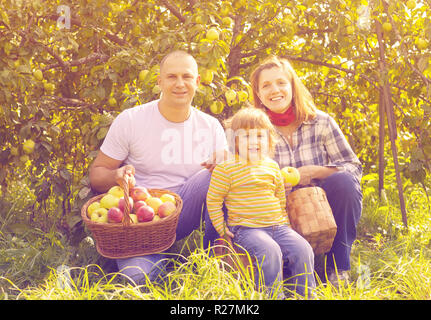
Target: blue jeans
x,y
345,199
193,193
275,245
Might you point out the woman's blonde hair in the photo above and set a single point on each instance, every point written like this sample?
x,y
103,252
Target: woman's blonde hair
x,y
250,118
305,108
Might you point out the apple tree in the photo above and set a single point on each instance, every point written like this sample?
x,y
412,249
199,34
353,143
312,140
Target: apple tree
x,y
67,69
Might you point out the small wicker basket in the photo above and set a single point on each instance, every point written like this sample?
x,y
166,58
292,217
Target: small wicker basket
x,y
124,240
311,216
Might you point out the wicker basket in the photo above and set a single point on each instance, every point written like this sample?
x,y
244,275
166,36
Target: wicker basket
x,y
124,240
311,216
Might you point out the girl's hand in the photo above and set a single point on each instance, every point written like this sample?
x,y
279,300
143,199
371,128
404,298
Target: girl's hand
x,y
229,234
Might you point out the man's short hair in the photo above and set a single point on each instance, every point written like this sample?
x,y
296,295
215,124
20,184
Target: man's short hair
x,y
175,53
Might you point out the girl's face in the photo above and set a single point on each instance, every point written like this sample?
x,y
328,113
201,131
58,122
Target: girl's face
x,y
275,89
252,144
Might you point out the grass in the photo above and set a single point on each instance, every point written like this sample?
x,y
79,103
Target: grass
x,y
389,262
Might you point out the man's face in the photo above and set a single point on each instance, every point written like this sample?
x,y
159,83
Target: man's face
x,y
179,80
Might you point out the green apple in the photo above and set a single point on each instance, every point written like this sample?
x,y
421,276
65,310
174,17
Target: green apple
x,y
227,21
421,43
116,191
212,34
49,86
93,207
217,107
24,158
28,146
143,75
230,96
167,197
242,96
14,151
154,203
38,75
166,209
224,10
387,27
108,201
207,76
290,175
99,215
112,101
411,4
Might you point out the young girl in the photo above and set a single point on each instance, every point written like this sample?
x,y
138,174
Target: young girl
x,y
251,186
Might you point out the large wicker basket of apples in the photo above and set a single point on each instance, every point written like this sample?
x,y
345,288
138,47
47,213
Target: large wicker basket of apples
x,y
144,222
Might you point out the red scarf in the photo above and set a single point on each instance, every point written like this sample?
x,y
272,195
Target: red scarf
x,y
281,119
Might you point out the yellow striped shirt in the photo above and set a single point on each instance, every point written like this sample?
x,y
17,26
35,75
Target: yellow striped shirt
x,y
253,193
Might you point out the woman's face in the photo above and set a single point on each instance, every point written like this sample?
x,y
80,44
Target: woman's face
x,y
275,89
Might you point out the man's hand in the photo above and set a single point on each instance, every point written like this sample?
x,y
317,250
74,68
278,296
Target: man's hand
x,y
126,172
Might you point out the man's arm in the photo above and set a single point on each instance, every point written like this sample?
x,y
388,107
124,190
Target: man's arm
x,y
105,172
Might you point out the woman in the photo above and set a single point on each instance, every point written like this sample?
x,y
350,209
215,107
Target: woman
x,y
311,141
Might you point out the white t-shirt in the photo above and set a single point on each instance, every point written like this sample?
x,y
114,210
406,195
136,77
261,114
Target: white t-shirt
x,y
163,153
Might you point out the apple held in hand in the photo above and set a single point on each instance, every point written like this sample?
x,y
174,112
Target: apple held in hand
x,y
139,193
115,215
145,214
99,215
122,204
291,175
166,209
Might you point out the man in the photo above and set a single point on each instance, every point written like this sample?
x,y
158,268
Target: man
x,y
163,144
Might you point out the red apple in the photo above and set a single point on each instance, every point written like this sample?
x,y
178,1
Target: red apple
x,y
139,204
166,209
115,215
122,204
139,193
145,214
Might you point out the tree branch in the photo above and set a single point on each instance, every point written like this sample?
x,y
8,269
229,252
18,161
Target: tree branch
x,y
404,49
90,58
333,66
174,10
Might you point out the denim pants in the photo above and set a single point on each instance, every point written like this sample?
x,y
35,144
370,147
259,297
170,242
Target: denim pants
x,y
193,193
345,199
273,246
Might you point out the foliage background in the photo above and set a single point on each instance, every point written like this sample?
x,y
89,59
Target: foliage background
x,y
91,54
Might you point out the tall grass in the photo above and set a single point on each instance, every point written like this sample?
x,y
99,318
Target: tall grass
x,y
388,262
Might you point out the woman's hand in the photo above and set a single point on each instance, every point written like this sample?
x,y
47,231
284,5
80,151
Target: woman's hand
x,y
308,173
287,188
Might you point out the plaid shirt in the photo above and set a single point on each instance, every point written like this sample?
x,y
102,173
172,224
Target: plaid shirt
x,y
318,142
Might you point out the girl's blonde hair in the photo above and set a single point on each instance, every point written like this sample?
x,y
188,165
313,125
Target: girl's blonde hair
x,y
305,108
251,118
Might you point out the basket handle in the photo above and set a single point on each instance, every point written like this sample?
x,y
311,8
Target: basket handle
x,y
125,186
